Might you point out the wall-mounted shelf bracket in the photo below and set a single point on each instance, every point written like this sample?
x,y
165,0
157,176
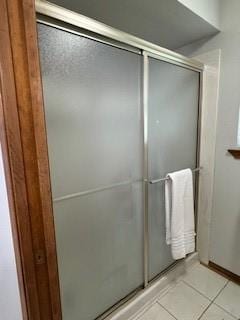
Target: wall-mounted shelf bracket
x,y
235,153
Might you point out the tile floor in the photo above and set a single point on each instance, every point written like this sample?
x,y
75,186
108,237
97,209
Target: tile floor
x,y
199,294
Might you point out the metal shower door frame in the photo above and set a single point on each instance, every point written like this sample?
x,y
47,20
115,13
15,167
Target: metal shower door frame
x,y
122,40
146,56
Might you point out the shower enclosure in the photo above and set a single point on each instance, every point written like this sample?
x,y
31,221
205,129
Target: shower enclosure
x,y
117,116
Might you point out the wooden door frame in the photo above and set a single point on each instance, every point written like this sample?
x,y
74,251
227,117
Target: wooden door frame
x,y
24,146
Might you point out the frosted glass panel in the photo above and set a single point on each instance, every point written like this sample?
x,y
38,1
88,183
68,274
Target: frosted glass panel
x,y
93,118
93,113
173,118
99,244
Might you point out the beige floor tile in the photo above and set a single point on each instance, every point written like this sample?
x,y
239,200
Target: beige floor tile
x,y
184,303
205,281
229,299
216,313
156,312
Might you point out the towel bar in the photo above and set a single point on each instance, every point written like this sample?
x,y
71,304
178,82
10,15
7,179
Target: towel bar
x,y
166,178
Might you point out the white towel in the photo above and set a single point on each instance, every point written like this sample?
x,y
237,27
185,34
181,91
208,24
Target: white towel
x,y
180,228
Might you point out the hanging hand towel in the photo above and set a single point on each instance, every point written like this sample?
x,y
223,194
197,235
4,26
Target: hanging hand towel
x,y
180,213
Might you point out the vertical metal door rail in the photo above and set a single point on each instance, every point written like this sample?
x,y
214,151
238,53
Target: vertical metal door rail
x,y
145,169
200,103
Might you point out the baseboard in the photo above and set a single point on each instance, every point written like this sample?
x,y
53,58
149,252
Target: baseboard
x,y
224,272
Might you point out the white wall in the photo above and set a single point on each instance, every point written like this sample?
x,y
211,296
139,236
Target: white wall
x,y
209,10
230,15
168,23
10,307
225,226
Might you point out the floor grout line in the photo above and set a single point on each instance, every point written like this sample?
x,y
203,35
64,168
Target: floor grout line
x,y
167,310
141,313
201,315
212,301
208,306
221,307
170,288
230,314
221,290
203,295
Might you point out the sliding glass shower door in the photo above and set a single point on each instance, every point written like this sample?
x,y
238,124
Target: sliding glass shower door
x,y
173,100
94,131
94,119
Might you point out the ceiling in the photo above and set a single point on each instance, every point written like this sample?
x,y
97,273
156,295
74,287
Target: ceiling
x,y
167,23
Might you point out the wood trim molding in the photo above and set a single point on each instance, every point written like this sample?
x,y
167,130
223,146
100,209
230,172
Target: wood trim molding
x,y
224,272
26,161
12,208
